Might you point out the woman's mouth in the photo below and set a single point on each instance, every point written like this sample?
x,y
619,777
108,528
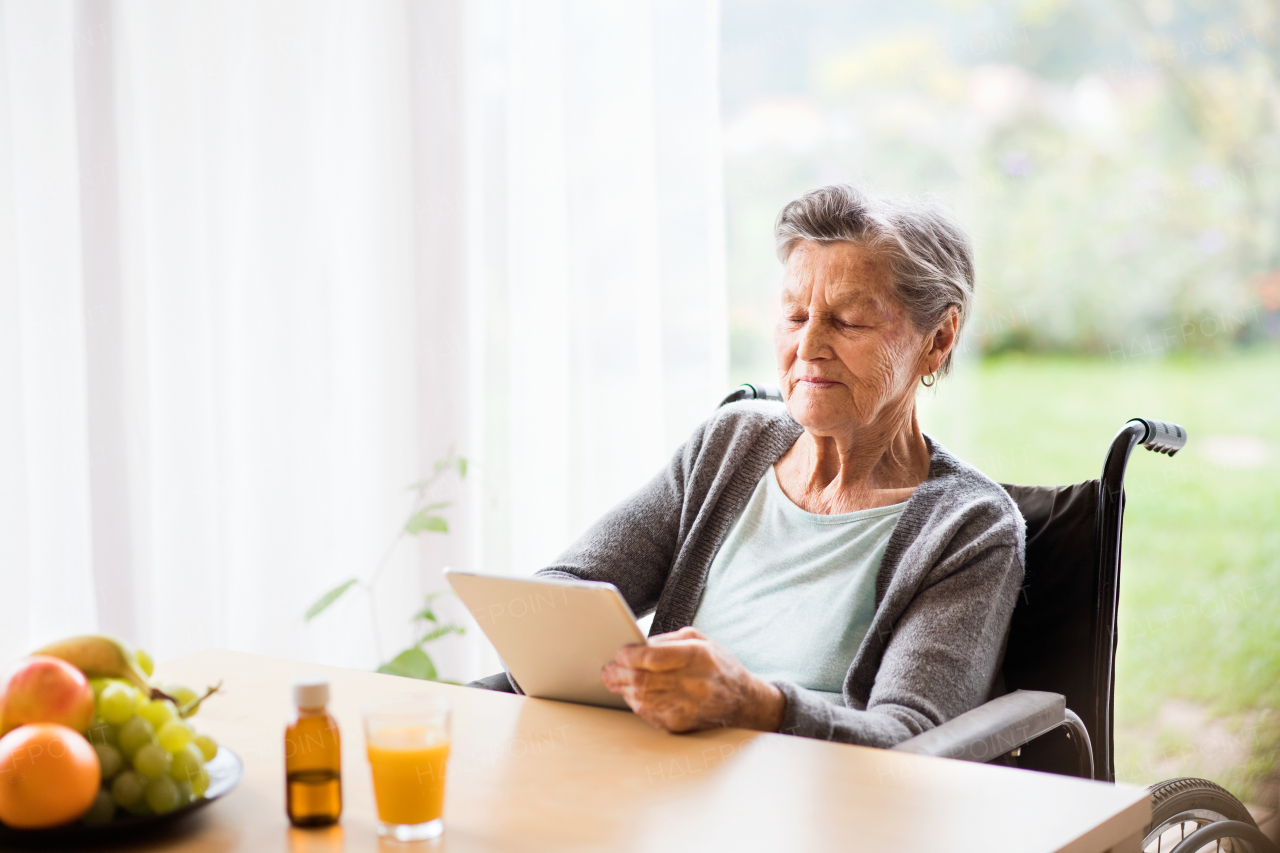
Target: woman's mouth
x,y
816,382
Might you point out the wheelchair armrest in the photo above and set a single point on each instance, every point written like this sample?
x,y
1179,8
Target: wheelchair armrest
x,y
992,729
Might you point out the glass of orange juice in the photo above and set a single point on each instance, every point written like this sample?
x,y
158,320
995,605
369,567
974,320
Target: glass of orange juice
x,y
408,745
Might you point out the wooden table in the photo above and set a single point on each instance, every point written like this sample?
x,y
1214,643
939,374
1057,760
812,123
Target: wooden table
x,y
531,774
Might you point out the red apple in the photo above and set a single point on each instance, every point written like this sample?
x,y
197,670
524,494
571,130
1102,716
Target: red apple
x,y
44,689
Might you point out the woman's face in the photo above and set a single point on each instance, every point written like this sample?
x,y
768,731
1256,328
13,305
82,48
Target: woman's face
x,y
848,354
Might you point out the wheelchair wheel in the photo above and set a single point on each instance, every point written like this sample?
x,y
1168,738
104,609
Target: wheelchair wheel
x,y
1179,807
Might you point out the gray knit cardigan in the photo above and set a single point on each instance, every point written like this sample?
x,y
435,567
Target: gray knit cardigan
x,y
944,596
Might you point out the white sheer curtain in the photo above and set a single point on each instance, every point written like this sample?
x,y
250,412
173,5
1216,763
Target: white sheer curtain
x,y
262,263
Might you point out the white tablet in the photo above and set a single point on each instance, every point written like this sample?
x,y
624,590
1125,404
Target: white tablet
x,y
554,636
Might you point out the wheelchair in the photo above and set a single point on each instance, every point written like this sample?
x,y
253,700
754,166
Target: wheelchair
x,y
1059,664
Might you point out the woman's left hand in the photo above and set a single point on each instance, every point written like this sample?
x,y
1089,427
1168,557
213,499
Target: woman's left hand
x,y
683,682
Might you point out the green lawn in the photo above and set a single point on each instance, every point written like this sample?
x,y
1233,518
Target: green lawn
x,y
1198,675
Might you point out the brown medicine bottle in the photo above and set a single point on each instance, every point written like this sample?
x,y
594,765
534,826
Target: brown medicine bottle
x,y
313,757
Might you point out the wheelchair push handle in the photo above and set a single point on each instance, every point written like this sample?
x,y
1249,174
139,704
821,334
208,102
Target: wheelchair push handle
x,y
1162,437
754,392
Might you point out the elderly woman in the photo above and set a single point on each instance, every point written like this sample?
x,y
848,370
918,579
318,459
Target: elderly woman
x,y
823,568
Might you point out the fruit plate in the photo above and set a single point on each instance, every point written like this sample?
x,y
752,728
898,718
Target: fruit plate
x,y
225,771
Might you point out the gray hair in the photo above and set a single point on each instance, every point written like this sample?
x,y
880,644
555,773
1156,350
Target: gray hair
x,y
929,252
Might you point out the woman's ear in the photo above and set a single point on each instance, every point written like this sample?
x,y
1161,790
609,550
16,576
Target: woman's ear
x,y
943,340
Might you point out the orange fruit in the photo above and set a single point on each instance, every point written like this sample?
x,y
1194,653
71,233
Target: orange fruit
x,y
49,775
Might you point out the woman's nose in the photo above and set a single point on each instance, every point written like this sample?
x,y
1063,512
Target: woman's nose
x,y
812,344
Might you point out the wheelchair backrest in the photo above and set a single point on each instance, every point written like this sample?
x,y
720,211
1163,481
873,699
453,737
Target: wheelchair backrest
x,y
1056,623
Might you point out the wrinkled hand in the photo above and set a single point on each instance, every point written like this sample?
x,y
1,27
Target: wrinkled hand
x,y
683,682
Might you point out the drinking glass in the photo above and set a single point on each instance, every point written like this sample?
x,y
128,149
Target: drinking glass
x,y
408,746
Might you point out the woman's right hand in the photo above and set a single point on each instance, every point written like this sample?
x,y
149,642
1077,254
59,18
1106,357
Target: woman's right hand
x,y
684,682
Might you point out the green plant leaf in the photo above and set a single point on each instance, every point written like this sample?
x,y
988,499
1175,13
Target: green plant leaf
x,y
423,521
437,633
462,466
411,663
323,602
426,613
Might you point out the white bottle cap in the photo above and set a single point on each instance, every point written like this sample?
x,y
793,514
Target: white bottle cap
x,y
311,691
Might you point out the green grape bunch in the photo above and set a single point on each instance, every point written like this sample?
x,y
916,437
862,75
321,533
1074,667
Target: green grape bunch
x,y
152,759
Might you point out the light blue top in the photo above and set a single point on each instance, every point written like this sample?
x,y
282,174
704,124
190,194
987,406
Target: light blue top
x,y
791,593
